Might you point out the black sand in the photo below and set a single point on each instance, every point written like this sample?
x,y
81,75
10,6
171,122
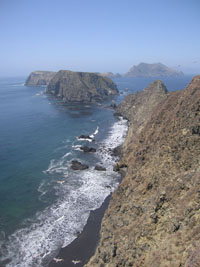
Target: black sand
x,y
83,247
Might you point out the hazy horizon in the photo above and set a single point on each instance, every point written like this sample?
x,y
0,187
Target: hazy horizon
x,y
98,36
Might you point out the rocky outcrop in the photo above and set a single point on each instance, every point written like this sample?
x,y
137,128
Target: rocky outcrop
x,y
137,108
77,165
81,86
153,218
110,75
38,78
87,149
99,168
151,70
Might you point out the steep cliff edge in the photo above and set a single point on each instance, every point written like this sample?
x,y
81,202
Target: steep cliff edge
x,y
153,218
81,86
37,78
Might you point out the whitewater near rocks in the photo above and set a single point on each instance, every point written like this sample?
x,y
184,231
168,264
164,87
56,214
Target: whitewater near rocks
x,y
78,193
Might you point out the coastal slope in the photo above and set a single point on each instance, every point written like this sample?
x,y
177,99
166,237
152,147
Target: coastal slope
x,y
151,70
38,78
153,218
81,86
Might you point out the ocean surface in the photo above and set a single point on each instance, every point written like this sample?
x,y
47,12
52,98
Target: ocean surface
x,y
44,204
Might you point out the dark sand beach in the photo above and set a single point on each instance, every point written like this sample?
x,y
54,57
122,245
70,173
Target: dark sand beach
x,y
83,247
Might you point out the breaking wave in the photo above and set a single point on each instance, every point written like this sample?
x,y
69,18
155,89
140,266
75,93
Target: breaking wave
x,y
77,194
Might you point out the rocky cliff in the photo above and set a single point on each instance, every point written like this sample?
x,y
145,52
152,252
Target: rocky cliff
x,y
151,70
81,86
37,78
153,218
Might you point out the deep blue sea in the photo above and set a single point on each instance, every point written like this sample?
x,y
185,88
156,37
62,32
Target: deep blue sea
x,y
43,203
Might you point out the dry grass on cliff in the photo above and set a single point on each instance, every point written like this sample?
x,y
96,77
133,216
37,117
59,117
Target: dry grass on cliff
x,y
154,216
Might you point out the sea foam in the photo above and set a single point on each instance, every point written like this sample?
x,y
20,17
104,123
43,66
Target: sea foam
x,y
59,224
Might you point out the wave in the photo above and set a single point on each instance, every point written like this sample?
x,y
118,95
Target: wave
x,y
91,136
95,132
78,193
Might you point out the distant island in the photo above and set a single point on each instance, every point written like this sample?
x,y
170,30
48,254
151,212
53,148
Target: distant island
x,y
151,70
110,75
73,86
81,86
38,78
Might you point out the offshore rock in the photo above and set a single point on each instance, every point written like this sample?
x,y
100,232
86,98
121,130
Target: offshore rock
x,y
83,136
77,165
153,219
81,86
38,78
99,168
87,149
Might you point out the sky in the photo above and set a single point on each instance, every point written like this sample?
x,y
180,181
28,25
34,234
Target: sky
x,y
98,36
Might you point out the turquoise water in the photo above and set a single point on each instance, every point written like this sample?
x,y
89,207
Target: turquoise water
x,y
43,203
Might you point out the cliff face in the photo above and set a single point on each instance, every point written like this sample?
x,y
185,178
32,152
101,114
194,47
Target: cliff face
x,y
81,86
151,70
37,78
154,216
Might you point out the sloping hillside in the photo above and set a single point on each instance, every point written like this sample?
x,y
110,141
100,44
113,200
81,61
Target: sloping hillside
x,y
153,218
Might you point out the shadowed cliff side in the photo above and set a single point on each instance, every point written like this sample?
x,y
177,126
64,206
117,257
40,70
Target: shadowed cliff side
x,y
153,218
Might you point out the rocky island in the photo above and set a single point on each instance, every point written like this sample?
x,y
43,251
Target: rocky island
x,y
81,86
110,75
38,78
153,218
151,70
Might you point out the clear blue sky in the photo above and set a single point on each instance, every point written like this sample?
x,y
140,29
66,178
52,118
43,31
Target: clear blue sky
x,y
92,35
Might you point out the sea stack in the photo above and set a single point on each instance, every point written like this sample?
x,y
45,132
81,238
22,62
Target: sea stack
x,y
38,78
81,86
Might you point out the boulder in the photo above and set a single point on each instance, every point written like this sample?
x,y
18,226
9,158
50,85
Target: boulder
x,y
82,136
99,168
87,149
77,165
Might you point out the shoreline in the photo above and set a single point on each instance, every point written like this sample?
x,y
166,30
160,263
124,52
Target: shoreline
x,y
84,246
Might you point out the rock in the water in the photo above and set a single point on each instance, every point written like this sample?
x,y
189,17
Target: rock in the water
x,y
38,78
113,104
77,165
82,136
81,86
99,168
87,149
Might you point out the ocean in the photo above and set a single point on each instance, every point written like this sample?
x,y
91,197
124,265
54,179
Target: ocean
x,y
44,204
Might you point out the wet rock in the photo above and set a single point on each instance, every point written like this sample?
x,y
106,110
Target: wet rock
x,y
82,136
113,104
99,168
87,149
77,165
